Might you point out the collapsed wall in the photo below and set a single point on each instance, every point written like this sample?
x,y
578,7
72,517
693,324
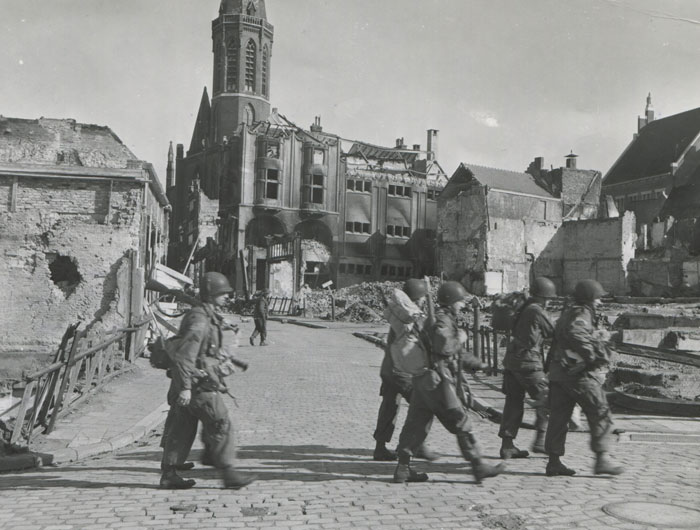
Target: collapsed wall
x,y
64,247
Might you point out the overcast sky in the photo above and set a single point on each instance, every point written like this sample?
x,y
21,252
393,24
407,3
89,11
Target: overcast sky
x,y
503,80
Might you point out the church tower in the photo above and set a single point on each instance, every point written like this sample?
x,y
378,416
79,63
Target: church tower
x,y
242,44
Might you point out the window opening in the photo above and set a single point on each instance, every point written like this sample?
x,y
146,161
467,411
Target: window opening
x,y
264,71
272,184
64,273
250,52
317,189
232,67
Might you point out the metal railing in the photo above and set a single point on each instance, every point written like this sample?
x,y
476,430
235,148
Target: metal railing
x,y
79,369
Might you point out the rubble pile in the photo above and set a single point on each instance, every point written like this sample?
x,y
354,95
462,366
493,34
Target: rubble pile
x,y
360,312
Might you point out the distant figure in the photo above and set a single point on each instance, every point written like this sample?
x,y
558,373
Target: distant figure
x,y
260,318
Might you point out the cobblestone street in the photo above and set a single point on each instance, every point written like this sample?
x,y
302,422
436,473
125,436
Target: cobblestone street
x,y
305,417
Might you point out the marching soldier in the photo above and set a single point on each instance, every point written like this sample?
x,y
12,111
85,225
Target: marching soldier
x,y
405,342
199,366
576,375
524,369
437,392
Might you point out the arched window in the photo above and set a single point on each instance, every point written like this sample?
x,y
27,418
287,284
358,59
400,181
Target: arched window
x,y
250,60
218,67
249,115
232,67
264,71
251,9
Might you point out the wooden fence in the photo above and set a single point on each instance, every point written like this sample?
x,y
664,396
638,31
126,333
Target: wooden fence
x,y
79,369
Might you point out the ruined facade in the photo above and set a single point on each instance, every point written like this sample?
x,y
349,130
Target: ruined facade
x,y
499,229
252,178
81,222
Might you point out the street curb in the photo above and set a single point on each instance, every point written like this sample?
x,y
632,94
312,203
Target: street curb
x,y
298,322
71,454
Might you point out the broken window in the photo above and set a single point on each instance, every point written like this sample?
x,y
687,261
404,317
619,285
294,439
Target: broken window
x,y
272,183
350,185
317,189
64,273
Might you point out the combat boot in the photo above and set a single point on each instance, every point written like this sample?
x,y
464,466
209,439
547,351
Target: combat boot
x,y
403,472
482,470
508,450
603,465
383,454
185,466
235,480
424,453
172,481
538,444
555,468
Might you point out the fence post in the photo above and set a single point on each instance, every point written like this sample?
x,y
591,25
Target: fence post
x,y
495,352
476,329
487,344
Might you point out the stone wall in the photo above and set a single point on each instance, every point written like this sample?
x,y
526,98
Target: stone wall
x,y
63,254
599,249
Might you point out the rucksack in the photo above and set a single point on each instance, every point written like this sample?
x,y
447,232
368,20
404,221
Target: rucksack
x,y
407,350
163,351
505,309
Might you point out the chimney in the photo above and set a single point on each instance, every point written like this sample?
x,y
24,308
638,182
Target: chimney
x,y
180,150
400,144
416,147
316,127
571,160
432,145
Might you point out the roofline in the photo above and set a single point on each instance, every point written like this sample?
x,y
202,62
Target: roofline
x,y
685,151
635,180
155,185
90,173
501,190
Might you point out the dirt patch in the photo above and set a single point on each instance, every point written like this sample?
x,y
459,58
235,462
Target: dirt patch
x,y
506,522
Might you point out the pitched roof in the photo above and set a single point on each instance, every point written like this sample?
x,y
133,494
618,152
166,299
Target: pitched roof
x,y
383,153
658,145
61,142
501,179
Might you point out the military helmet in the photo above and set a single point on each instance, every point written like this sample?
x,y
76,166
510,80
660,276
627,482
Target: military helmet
x,y
451,292
415,289
588,290
213,284
543,287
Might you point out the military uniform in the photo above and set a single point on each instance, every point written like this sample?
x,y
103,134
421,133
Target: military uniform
x,y
576,375
196,368
435,394
524,369
395,384
260,319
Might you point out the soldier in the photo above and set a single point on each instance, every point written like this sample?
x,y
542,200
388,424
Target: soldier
x,y
396,380
260,319
524,369
576,375
437,392
195,391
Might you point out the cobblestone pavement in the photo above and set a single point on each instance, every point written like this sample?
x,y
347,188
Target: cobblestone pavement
x,y
306,413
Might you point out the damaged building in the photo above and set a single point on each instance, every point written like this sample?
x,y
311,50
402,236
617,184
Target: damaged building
x,y
498,229
271,204
81,221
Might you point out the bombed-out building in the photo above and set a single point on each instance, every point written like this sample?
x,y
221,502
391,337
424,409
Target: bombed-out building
x,y
82,221
272,204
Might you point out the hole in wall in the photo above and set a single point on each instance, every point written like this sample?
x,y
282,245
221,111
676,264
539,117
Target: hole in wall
x,y
64,272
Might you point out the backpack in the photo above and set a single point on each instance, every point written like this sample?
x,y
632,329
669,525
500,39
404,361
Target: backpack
x,y
505,310
163,350
407,350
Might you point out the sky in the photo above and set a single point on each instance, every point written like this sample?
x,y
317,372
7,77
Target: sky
x,y
504,81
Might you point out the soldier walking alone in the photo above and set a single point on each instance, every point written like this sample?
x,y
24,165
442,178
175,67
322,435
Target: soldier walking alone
x,y
576,375
260,319
524,369
195,392
435,392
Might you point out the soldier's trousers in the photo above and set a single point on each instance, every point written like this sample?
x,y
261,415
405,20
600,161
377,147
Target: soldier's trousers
x,y
217,431
563,396
515,385
434,398
394,386
260,329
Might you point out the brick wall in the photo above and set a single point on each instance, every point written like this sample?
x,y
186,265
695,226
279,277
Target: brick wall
x,y
83,222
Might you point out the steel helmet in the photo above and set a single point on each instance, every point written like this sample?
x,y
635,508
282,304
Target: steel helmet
x,y
213,284
451,292
588,290
543,287
415,289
